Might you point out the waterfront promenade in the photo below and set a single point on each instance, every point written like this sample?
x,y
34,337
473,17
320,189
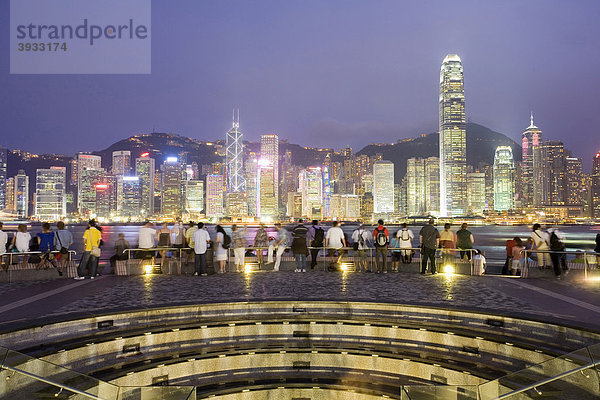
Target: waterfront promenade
x,y
568,302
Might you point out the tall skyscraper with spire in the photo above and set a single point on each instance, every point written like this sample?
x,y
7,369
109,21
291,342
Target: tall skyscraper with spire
x,y
453,143
234,158
532,138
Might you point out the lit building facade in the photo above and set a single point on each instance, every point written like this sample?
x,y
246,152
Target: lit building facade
x,y
50,193
266,196
86,162
310,185
106,198
294,205
251,169
269,150
145,170
129,196
476,203
549,174
532,138
22,194
3,176
422,186
236,205
504,179
234,158
595,187
452,132
194,197
214,196
383,187
121,163
171,194
574,181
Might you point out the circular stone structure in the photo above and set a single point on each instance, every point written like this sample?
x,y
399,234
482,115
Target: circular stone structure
x,y
281,346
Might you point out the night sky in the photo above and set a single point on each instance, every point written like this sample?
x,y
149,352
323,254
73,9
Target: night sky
x,y
325,73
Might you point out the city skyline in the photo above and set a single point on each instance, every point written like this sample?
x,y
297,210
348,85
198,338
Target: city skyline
x,y
327,87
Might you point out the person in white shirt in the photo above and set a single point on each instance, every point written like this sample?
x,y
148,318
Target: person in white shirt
x,y
335,241
541,240
3,241
21,241
201,240
405,238
361,239
147,239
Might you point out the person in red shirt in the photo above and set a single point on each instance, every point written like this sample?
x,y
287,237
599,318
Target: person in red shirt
x,y
509,256
381,237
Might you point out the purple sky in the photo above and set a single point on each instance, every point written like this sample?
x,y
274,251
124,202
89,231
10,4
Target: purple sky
x,y
325,73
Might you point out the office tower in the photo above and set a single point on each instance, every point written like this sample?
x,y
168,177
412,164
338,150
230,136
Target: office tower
x,y
10,194
415,181
432,185
251,170
310,183
363,166
171,194
106,197
145,170
50,193
88,179
85,162
22,194
265,198
326,212
574,181
269,150
214,196
194,197
366,206
129,196
475,193
121,163
294,205
595,187
532,137
335,208
236,205
73,172
234,158
518,185
549,169
403,196
383,187
504,179
349,207
3,171
453,144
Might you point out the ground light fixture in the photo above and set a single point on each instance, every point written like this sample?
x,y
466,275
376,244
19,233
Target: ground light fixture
x,y
449,269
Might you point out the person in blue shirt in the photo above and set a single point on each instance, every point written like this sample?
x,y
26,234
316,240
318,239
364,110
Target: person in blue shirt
x,y
46,246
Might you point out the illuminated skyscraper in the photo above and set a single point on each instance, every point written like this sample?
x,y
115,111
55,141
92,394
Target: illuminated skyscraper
x,y
194,197
129,196
422,186
145,170
85,162
121,162
504,179
22,194
310,183
574,181
234,158
269,150
10,194
475,193
214,196
106,198
88,179
595,203
453,144
549,174
3,171
50,194
251,170
532,137
171,195
266,192
383,187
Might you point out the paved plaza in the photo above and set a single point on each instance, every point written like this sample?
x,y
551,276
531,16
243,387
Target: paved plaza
x,y
568,302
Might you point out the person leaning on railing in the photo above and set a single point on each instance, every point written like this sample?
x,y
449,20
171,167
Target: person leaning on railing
x,y
3,247
121,245
63,239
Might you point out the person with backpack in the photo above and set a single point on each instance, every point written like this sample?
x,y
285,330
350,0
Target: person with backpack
x,y
381,237
429,238
315,237
360,237
557,247
541,241
222,244
406,237
335,241
299,247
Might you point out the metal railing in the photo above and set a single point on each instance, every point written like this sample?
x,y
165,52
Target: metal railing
x,y
26,255
588,256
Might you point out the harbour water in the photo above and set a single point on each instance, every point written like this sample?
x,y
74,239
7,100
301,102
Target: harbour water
x,y
489,238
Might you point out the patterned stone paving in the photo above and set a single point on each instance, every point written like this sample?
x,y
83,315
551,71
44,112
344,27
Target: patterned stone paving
x,y
439,290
